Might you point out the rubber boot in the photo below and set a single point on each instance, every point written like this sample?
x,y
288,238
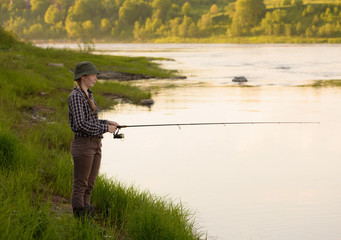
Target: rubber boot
x,y
79,212
90,211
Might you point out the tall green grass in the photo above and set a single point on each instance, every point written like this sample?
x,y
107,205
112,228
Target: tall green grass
x,y
35,160
25,215
141,215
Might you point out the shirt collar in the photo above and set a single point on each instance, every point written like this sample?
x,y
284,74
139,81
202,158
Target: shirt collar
x,y
81,91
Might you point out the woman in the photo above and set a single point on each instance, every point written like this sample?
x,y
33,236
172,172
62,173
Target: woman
x,y
88,133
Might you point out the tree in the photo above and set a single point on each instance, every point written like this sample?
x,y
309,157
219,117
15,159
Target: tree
x,y
35,31
214,9
231,9
109,9
205,24
310,9
174,26
316,20
105,25
248,14
134,10
273,23
150,30
288,30
299,28
174,11
309,32
285,2
184,26
186,8
192,30
18,4
88,29
73,29
83,10
326,30
297,3
161,8
187,28
39,7
138,31
53,15
267,24
327,16
16,25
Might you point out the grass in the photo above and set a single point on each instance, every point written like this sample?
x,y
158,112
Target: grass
x,y
324,83
145,216
35,161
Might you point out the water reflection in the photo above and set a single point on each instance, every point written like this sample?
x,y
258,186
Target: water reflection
x,y
244,182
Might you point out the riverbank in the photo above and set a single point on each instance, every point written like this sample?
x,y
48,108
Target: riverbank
x,y
36,166
216,39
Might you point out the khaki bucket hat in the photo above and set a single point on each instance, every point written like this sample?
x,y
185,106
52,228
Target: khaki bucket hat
x,y
85,68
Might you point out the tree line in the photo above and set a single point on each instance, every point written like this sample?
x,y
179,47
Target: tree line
x,y
138,20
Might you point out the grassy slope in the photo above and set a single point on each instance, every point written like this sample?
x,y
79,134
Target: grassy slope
x,y
35,163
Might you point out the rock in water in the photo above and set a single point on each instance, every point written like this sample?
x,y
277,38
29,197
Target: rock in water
x,y
239,79
146,102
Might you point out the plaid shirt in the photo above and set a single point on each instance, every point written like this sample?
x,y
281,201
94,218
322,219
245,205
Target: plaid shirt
x,y
83,122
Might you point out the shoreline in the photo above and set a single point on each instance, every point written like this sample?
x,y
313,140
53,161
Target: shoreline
x,y
216,40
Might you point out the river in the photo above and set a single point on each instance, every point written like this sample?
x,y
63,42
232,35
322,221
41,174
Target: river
x,y
242,182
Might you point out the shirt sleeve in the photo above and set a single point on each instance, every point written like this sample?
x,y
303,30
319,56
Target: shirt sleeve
x,y
77,108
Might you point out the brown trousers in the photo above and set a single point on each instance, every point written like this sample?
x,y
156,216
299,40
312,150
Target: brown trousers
x,y
86,153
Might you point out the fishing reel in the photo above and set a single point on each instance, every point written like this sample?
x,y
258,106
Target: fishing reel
x,y
118,135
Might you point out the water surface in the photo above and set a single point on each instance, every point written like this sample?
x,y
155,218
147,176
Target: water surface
x,y
249,181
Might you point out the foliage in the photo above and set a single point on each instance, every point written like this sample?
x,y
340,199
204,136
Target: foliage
x,y
7,39
248,14
158,20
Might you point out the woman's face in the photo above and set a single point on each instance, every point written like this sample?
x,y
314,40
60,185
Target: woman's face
x,y
89,80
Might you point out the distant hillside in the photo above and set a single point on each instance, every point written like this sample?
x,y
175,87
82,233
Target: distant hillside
x,y
172,21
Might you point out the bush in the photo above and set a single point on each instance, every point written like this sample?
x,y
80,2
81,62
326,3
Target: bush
x,y
7,40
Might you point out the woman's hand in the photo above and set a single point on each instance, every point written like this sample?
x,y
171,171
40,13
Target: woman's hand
x,y
112,123
112,128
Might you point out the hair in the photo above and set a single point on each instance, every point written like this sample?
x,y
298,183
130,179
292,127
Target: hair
x,y
91,103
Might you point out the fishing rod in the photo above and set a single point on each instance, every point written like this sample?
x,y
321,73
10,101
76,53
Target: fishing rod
x,y
118,135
